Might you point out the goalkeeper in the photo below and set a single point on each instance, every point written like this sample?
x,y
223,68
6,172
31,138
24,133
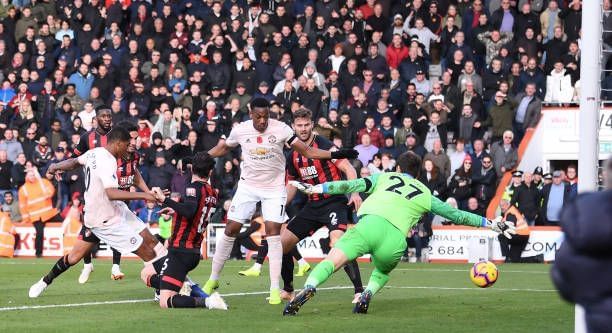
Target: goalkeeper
x,y
396,203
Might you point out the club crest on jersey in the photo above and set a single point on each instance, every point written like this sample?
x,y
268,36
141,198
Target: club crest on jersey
x,y
259,139
120,169
248,140
133,240
271,139
190,192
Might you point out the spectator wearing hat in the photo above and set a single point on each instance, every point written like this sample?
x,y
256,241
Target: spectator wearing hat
x,y
516,181
412,144
241,94
505,155
555,195
528,197
421,83
538,175
460,186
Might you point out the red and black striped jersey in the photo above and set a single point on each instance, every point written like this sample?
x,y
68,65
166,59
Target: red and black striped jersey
x,y
187,233
90,140
313,171
126,170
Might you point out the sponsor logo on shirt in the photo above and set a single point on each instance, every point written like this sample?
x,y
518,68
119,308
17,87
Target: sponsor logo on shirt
x,y
308,172
261,153
190,192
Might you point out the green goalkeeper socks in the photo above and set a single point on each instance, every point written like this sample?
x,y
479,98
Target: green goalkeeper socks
x,y
320,273
378,280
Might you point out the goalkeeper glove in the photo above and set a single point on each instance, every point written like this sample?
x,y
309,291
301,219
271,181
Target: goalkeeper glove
x,y
344,153
307,188
502,227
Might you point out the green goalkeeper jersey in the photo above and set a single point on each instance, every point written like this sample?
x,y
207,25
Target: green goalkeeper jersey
x,y
401,200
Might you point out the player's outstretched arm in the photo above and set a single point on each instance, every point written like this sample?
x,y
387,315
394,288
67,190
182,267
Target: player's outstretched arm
x,y
221,149
338,187
65,165
188,208
117,194
319,154
458,216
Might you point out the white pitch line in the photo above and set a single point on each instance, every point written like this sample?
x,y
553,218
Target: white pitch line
x,y
463,270
131,301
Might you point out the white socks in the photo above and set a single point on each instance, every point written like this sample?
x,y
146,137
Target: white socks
x,y
257,266
302,262
275,255
222,253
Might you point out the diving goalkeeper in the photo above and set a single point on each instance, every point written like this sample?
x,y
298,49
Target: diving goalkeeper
x,y
396,203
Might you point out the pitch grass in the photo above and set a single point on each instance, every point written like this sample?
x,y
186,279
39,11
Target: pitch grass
x,y
506,307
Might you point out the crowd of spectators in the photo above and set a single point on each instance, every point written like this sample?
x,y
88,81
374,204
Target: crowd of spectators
x,y
185,72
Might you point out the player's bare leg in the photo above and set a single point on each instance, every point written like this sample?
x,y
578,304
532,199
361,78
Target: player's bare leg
x,y
224,244
80,249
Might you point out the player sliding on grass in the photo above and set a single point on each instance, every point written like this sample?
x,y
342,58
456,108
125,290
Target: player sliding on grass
x,y
262,180
127,176
192,217
107,217
396,203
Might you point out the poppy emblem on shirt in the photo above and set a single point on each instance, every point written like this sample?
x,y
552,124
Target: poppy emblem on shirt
x,y
259,139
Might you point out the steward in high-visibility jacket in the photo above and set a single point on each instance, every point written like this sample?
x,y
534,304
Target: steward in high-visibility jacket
x,y
7,235
36,205
513,248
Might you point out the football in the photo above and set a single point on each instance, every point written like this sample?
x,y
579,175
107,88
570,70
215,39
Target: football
x,y
484,274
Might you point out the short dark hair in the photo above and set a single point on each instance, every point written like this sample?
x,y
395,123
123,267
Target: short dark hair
x,y
260,103
202,163
410,163
118,134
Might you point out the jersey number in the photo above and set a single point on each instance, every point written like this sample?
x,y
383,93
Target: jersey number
x,y
204,218
87,178
400,184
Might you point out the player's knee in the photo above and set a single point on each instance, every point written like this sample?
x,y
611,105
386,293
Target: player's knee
x,y
146,273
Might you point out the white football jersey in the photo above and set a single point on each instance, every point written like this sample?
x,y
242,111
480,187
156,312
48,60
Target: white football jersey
x,y
264,162
100,168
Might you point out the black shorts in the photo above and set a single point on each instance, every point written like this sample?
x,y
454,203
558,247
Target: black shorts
x,y
176,266
86,235
333,214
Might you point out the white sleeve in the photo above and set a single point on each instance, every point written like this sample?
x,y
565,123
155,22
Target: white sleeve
x,y
232,139
82,158
107,171
288,134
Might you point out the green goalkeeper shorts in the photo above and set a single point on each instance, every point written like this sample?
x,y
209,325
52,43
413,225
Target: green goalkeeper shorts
x,y
376,236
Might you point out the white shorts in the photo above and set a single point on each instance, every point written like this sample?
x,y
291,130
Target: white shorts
x,y
245,201
121,232
131,219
